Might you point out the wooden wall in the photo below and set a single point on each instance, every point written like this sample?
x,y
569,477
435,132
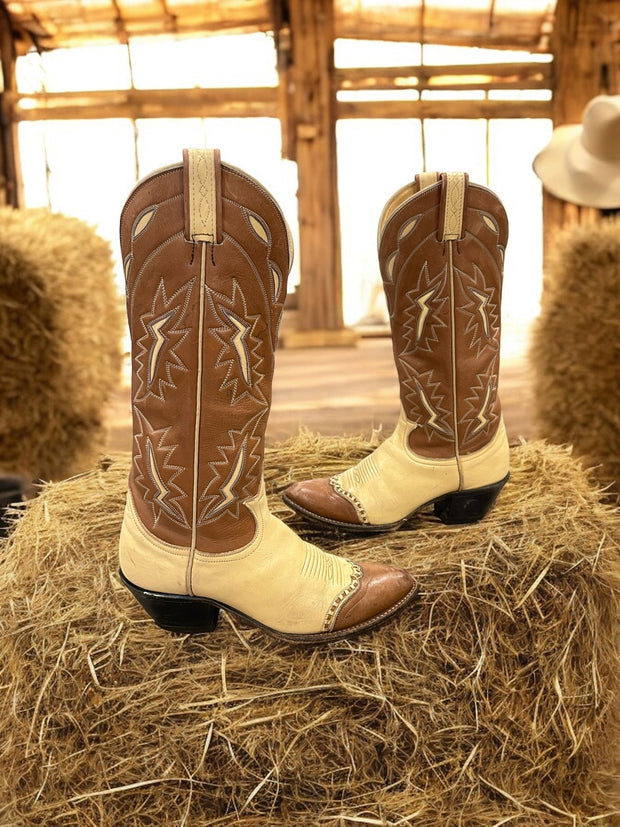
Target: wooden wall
x,y
585,47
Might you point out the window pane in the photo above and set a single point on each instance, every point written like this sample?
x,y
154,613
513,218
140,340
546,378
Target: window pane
x,y
206,62
349,54
456,146
375,158
512,147
74,70
91,185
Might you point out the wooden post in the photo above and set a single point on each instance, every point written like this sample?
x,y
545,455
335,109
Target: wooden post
x,y
312,101
585,49
10,181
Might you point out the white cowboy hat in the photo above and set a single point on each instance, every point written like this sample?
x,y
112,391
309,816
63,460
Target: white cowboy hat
x,y
581,162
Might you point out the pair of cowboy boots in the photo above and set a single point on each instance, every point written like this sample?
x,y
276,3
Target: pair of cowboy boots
x,y
206,253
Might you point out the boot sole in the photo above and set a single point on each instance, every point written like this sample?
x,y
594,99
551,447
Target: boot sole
x,y
189,614
456,508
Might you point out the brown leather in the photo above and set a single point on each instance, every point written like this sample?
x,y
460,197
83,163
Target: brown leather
x,y
245,285
318,496
444,298
381,589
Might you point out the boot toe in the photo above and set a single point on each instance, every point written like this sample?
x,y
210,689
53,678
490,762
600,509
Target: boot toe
x,y
383,591
317,498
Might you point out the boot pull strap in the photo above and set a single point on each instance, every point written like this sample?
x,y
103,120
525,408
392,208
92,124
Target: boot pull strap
x,y
202,195
452,205
426,179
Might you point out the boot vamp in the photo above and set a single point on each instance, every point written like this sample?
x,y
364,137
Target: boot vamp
x,y
319,497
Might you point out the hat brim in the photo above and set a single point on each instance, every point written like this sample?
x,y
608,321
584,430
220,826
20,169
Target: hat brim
x,y
569,172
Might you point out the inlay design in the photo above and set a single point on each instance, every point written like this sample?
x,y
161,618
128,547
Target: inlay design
x,y
157,358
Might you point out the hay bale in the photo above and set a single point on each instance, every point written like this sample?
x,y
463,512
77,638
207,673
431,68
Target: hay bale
x,y
575,350
61,329
488,702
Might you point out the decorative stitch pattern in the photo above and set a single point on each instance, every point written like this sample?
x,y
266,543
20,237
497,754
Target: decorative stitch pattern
x,y
156,475
234,475
338,488
424,403
480,306
202,195
455,199
158,355
356,579
423,311
241,344
142,222
479,416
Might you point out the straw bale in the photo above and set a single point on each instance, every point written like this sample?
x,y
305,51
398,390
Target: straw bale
x,y
490,701
575,350
61,329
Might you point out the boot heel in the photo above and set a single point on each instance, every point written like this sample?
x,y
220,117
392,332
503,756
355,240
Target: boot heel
x,y
178,613
468,506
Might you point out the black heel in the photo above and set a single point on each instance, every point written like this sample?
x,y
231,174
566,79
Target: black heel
x,y
468,506
178,613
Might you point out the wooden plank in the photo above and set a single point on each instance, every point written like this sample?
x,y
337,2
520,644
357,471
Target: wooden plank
x,y
72,23
284,58
10,178
537,75
320,289
445,109
148,103
444,26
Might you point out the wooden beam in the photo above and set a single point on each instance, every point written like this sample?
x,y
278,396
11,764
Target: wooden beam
x,y
46,27
148,103
280,16
484,76
465,109
10,181
510,29
320,289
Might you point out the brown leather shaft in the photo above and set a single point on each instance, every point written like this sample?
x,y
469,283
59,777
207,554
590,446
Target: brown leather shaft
x,y
201,379
443,295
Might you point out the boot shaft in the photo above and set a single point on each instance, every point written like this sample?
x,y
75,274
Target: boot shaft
x,y
206,253
441,250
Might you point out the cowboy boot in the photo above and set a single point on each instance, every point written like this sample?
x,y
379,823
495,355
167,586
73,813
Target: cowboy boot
x,y
441,245
206,253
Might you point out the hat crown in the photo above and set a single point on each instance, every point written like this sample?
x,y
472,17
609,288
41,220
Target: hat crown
x,y
601,128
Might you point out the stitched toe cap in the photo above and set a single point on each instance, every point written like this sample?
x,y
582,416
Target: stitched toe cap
x,y
383,591
318,498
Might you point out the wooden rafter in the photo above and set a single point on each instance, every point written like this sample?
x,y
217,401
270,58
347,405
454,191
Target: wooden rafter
x,y
426,22
49,24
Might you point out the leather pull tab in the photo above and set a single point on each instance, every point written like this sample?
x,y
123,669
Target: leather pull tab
x,y
452,205
202,195
426,179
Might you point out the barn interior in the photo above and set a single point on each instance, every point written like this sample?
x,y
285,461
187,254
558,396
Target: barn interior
x,y
498,700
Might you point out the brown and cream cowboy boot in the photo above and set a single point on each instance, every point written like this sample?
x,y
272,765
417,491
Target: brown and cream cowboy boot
x,y
441,247
206,253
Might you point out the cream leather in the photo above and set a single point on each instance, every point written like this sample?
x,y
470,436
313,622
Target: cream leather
x,y
488,465
202,195
425,179
277,579
393,481
455,203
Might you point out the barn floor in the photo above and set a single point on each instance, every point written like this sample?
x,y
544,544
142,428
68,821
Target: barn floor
x,y
351,391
